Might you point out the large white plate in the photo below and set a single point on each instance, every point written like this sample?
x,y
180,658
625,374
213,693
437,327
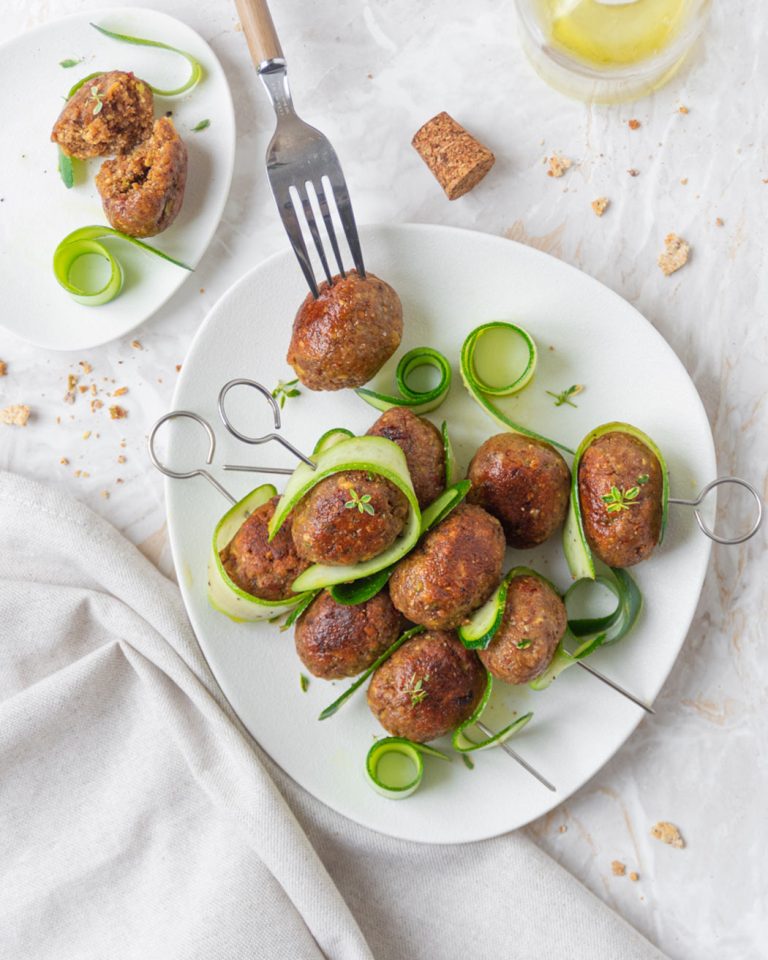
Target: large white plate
x,y
449,281
37,211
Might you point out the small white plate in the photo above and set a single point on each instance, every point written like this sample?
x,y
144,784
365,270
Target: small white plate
x,y
37,211
450,281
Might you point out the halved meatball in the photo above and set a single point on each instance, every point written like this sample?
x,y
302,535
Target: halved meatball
x,y
263,569
533,624
524,483
422,444
427,687
348,517
108,114
334,640
342,338
452,572
142,193
625,534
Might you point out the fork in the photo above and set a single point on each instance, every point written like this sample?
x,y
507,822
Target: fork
x,y
301,162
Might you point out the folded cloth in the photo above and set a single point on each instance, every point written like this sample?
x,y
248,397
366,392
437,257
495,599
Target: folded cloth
x,y
140,820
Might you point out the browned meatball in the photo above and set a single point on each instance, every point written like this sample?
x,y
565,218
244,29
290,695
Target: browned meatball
x,y
262,568
142,193
334,640
344,337
108,114
625,536
427,687
534,623
422,444
348,517
524,483
452,572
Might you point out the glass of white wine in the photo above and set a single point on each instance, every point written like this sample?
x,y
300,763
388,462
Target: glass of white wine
x,y
609,50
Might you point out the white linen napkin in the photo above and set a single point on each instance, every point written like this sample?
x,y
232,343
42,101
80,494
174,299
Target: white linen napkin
x,y
138,819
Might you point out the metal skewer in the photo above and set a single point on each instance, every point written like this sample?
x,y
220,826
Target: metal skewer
x,y
728,541
615,686
516,756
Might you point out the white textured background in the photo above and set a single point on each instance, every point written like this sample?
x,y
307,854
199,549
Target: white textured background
x,y
369,73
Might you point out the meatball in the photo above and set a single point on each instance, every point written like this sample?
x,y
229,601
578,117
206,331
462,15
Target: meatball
x,y
142,193
628,534
262,568
108,114
422,444
342,338
334,640
452,572
348,517
524,483
427,687
533,624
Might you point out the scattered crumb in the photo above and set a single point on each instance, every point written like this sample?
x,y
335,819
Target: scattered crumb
x,y
64,462
58,419
684,181
72,379
682,109
136,344
634,876
121,459
104,494
667,833
87,368
202,289
557,165
120,392
633,172
675,254
238,27
719,222
122,444
178,368
370,76
16,415
3,368
633,124
600,206
96,405
69,396
83,388
86,434
562,828
77,473
94,389
119,480
118,413
618,869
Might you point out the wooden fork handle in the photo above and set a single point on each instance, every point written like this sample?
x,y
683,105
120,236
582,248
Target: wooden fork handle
x,y
259,30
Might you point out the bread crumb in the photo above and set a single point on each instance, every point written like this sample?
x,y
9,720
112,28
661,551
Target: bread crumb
x,y
202,289
3,368
86,434
121,459
600,205
16,415
77,474
178,368
633,172
682,109
719,222
83,388
117,413
94,389
684,181
104,494
120,392
96,405
557,165
634,876
69,396
562,828
633,124
675,254
72,379
136,344
667,833
455,158
64,462
617,868
87,368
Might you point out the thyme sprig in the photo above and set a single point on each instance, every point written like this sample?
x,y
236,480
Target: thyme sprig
x,y
98,96
415,689
284,390
363,504
563,396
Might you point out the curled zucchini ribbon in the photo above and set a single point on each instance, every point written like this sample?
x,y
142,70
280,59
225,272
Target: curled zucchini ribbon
x,y
484,623
196,69
597,631
463,743
85,241
223,594
477,381
418,401
388,785
575,546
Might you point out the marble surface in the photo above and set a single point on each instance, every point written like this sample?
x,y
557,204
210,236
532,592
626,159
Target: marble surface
x,y
369,72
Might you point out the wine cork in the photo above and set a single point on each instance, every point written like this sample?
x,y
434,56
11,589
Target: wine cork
x,y
457,160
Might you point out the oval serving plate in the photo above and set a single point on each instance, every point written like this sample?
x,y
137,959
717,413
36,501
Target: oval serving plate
x,y
450,281
38,211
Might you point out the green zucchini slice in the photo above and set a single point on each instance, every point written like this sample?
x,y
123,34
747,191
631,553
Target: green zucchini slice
x,y
417,401
398,782
463,743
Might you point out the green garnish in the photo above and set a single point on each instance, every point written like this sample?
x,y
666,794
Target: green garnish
x,y
304,682
416,690
99,98
69,63
363,504
618,500
196,69
66,169
468,763
285,388
643,479
201,126
523,644
561,398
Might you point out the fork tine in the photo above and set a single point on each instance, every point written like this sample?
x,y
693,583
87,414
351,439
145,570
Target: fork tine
x,y
293,229
328,220
309,213
344,206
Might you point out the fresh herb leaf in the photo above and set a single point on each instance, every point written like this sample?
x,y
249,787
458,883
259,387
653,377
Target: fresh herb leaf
x,y
563,397
69,63
643,479
363,504
618,500
201,126
66,169
416,690
284,390
524,643
99,98
468,763
304,682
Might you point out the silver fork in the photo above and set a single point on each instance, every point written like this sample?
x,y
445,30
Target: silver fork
x,y
300,159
